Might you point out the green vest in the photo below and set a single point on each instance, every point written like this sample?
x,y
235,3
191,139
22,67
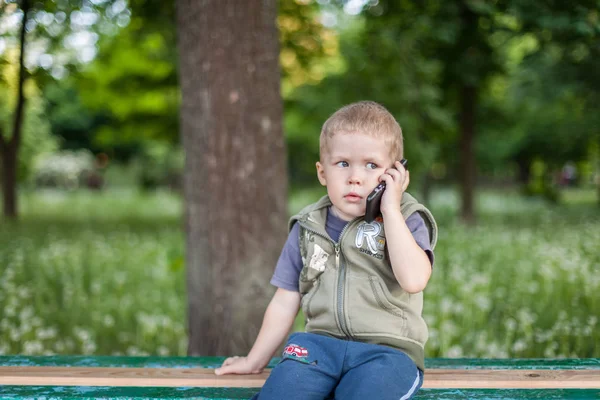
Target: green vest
x,y
348,288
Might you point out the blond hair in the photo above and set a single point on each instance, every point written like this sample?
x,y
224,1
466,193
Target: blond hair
x,y
366,117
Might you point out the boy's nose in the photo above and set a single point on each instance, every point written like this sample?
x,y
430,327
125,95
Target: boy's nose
x,y
354,180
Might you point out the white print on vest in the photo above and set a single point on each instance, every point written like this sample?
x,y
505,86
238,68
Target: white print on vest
x,y
368,232
318,259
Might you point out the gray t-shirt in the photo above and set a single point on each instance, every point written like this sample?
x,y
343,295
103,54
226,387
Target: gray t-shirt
x,y
289,265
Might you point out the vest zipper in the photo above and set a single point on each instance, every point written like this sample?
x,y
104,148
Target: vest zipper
x,y
341,284
341,274
340,290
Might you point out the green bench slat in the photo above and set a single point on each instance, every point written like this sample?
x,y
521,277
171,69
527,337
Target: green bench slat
x,y
508,394
513,363
112,361
213,362
145,393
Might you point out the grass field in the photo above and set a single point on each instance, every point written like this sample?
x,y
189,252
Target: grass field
x,y
88,273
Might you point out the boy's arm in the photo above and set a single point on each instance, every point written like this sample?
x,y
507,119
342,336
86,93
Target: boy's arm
x,y
411,266
410,263
277,322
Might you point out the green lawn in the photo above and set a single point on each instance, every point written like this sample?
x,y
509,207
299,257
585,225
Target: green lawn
x,y
88,273
523,283
84,273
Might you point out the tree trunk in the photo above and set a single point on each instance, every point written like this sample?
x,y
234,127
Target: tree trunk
x,y
598,185
9,148
235,178
468,101
524,172
9,179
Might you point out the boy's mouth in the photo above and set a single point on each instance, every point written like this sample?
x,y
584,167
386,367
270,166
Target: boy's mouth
x,y
353,197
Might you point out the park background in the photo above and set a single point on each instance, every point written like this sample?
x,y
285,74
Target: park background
x,y
498,101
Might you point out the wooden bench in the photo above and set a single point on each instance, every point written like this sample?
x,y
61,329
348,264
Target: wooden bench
x,y
81,377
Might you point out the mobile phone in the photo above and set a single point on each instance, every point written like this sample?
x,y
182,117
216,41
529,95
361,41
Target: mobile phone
x,y
374,199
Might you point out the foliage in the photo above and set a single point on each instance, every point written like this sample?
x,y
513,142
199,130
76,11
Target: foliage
x,y
35,29
309,49
159,165
70,120
133,80
102,274
382,62
414,56
37,139
61,34
408,55
544,108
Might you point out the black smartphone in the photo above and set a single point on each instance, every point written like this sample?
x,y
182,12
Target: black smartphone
x,y
374,199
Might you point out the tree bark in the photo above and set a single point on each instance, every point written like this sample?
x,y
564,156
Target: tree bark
x,y
9,148
598,185
9,179
467,92
468,172
235,178
524,171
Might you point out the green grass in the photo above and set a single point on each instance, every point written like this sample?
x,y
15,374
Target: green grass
x,y
523,283
86,273
102,273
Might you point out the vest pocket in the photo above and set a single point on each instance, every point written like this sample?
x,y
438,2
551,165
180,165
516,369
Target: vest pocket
x,y
370,310
381,298
317,303
307,298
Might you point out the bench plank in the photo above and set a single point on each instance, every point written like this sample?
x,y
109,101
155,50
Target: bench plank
x,y
214,362
166,393
511,379
205,377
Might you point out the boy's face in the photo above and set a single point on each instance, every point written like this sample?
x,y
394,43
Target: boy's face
x,y
350,170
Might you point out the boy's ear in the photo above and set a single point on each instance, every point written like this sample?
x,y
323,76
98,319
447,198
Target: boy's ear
x,y
321,174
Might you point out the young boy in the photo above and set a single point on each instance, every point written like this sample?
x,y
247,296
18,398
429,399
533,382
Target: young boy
x,y
359,284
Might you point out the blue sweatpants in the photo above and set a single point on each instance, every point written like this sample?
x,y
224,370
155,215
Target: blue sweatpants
x,y
318,367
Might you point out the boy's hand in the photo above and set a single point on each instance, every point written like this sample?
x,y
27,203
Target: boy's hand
x,y
396,180
238,365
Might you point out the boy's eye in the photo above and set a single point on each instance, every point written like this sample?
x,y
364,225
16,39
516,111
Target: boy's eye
x,y
371,165
342,164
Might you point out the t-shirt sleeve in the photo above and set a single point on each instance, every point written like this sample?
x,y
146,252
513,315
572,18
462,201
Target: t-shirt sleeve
x,y
417,227
289,265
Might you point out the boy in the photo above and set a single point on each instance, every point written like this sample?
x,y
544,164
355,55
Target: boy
x,y
359,284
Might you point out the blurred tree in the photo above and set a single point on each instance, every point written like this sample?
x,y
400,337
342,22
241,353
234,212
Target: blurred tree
x,y
458,50
308,48
381,61
566,78
70,120
36,138
235,182
133,80
542,110
9,146
425,61
459,39
56,48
